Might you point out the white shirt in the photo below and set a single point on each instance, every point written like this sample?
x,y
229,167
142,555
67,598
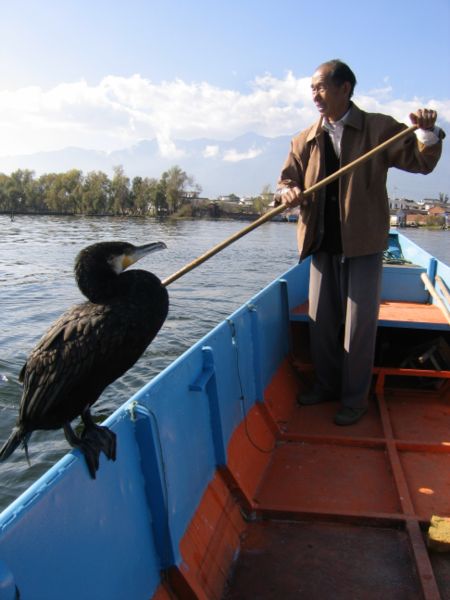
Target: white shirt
x,y
428,137
335,131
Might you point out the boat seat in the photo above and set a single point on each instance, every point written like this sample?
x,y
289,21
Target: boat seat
x,y
395,314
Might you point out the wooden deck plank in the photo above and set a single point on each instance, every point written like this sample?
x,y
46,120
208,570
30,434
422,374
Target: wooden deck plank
x,y
411,312
398,312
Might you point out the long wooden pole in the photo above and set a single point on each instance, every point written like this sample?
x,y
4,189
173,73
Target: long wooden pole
x,y
444,288
279,209
433,292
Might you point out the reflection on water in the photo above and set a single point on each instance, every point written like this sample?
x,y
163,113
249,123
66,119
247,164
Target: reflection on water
x,y
37,285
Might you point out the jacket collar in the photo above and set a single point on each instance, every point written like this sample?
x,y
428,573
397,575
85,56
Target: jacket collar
x,y
354,119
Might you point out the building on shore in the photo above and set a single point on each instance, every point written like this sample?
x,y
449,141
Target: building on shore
x,y
409,213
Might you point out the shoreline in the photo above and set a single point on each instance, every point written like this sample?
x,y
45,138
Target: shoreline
x,y
224,216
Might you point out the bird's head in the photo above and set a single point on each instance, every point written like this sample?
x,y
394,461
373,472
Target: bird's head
x,y
121,255
97,265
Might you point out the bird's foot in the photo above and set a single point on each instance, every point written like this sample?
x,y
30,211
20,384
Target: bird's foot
x,y
103,438
93,440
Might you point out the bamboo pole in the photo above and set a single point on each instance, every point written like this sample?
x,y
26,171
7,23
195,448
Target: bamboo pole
x,y
279,209
444,289
433,292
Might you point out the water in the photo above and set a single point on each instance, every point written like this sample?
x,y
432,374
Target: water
x,y
436,242
37,285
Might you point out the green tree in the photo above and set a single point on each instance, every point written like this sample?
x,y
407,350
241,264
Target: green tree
x,y
63,191
4,198
95,193
72,190
96,196
262,202
120,192
143,192
21,190
159,198
176,182
49,187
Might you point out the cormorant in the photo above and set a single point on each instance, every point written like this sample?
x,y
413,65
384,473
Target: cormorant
x,y
89,347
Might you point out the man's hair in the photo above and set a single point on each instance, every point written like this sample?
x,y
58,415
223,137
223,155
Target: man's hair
x,y
340,73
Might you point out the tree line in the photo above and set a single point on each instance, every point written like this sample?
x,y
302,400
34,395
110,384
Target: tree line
x,y
95,193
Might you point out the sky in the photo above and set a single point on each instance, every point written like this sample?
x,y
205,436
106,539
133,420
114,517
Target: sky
x,y
104,75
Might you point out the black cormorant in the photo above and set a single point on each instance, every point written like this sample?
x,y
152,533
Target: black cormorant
x,y
89,347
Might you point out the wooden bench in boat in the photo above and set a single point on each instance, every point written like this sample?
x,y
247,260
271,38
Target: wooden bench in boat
x,y
398,314
405,302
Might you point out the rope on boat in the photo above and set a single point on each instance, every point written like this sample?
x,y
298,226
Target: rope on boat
x,y
395,258
242,394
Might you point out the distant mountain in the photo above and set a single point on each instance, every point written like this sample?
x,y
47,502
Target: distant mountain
x,y
241,166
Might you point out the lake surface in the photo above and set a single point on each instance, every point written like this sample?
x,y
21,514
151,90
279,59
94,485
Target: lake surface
x,y
37,285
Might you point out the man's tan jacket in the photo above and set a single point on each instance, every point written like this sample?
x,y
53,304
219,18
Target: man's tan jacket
x,y
364,207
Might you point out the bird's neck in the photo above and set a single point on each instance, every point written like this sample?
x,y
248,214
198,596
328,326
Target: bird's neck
x,y
99,284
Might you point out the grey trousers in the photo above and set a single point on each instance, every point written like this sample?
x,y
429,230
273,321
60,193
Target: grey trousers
x,y
344,300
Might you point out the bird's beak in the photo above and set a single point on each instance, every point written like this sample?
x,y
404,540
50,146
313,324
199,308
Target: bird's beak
x,y
139,251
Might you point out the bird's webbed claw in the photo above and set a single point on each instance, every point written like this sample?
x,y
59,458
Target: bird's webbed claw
x,y
101,437
93,440
91,455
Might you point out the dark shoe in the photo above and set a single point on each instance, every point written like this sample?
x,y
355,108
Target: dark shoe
x,y
313,396
348,415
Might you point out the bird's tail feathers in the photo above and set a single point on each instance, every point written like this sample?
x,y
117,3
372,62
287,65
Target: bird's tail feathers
x,y
16,438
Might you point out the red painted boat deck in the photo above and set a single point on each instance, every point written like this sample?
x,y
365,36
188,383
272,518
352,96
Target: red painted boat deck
x,y
342,512
401,312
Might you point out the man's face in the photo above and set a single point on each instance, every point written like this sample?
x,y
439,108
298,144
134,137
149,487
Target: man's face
x,y
331,100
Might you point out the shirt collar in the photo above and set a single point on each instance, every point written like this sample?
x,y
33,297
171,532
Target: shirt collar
x,y
337,124
354,118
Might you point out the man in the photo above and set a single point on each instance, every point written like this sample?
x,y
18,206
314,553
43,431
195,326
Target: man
x,y
345,226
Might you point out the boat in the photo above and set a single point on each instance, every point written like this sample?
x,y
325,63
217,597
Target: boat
x,y
224,487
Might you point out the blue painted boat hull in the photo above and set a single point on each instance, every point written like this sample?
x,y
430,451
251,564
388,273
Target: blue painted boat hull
x,y
72,537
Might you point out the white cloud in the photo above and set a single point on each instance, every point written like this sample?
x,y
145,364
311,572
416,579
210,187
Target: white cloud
x,y
167,147
210,151
235,156
120,111
401,109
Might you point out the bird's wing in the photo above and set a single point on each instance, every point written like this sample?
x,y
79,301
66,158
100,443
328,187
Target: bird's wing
x,y
64,358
